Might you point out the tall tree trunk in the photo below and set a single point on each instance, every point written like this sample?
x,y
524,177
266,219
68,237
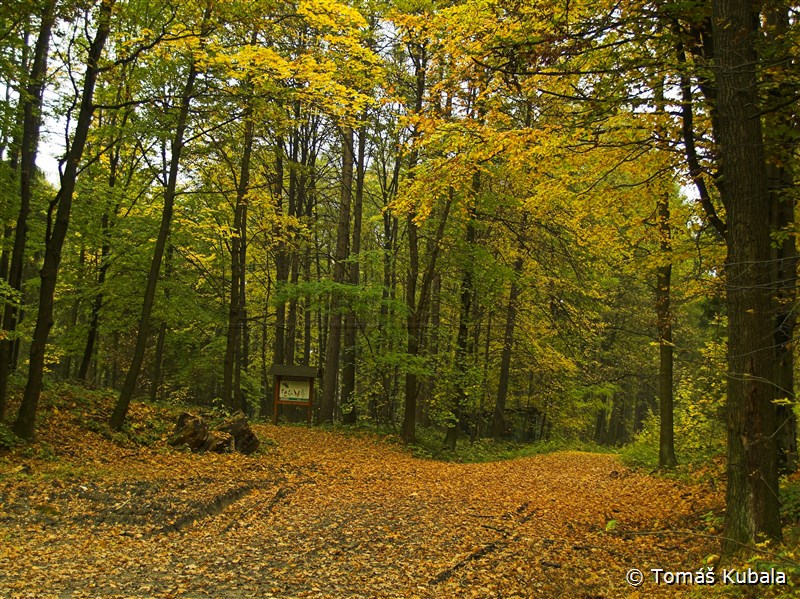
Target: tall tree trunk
x,y
418,55
499,416
666,439
780,138
331,373
158,357
463,350
231,387
296,208
264,405
307,314
752,504
349,353
389,252
281,263
97,305
309,187
177,146
31,125
57,229
417,308
243,361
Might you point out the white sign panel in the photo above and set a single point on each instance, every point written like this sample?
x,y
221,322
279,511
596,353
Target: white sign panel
x,y
295,390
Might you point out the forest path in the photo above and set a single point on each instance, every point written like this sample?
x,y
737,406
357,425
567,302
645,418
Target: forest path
x,y
321,514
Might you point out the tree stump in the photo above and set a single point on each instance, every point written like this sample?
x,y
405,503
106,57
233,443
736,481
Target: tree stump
x,y
234,434
190,430
218,442
245,439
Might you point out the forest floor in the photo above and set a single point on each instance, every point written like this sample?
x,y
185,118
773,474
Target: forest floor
x,y
323,514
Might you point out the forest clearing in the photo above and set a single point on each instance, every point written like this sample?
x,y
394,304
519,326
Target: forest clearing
x,y
318,513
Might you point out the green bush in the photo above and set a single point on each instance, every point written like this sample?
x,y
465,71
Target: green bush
x,y
790,501
698,416
7,438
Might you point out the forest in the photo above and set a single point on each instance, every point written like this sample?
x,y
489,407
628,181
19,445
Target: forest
x,y
479,220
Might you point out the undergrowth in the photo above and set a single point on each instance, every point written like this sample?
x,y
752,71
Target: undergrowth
x,y
429,445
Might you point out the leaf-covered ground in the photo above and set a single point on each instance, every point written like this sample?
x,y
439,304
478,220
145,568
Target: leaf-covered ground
x,y
323,514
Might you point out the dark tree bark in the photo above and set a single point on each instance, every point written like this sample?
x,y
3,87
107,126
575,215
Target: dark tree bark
x,y
334,343
296,207
308,185
161,338
349,352
281,263
419,57
752,504
106,224
499,418
31,125
178,142
780,139
57,228
389,182
464,349
74,311
231,386
417,308
666,439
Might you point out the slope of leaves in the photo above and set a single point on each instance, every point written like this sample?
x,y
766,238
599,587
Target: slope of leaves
x,y
322,514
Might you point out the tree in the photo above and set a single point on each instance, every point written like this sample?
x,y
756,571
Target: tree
x,y
666,446
177,146
752,504
349,347
340,275
58,224
31,102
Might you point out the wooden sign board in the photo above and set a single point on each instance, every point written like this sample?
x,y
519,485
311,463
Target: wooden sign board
x,y
294,386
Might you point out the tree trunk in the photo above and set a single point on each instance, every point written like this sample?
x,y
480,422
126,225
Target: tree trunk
x,y
331,373
499,419
281,264
463,350
57,230
417,308
350,414
129,386
666,439
231,385
413,320
105,251
32,121
97,305
752,504
72,322
158,356
781,135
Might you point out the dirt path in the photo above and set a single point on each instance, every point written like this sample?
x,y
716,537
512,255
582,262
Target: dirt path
x,y
324,515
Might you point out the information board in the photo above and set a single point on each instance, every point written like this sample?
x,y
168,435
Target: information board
x,y
295,390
